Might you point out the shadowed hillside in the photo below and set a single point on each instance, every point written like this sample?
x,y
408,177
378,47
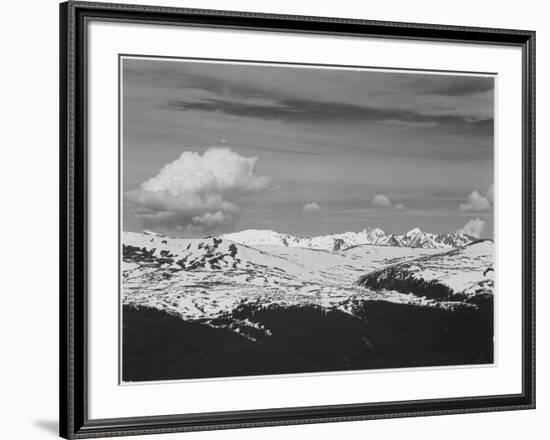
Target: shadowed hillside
x,y
159,346
461,273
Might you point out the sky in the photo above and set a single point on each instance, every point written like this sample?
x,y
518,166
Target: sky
x,y
215,147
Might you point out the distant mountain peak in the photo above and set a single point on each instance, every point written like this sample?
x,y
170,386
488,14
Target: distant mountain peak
x,y
156,234
415,238
374,229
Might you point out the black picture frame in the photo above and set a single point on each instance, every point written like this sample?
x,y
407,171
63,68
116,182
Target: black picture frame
x,y
74,420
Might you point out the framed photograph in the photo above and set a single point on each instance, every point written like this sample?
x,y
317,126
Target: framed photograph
x,y
272,220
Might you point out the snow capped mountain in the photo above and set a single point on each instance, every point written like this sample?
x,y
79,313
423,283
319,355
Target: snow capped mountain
x,y
458,239
261,237
156,234
415,238
391,240
208,278
461,272
418,239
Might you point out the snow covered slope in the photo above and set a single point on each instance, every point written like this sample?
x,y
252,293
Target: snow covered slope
x,y
210,279
415,238
459,273
205,278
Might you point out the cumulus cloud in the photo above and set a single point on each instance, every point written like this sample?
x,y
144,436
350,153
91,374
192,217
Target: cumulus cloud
x,y
218,171
474,228
476,202
384,202
312,207
381,201
210,220
164,201
199,190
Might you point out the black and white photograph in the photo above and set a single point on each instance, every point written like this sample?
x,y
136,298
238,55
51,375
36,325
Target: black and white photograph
x,y
286,218
275,220
284,215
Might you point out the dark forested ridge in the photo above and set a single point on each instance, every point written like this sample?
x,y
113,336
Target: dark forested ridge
x,y
379,334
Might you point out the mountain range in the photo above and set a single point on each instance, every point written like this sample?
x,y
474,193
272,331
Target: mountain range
x,y
260,302
415,238
203,278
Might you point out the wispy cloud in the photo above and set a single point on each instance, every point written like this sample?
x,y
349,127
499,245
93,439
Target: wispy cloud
x,y
303,110
444,85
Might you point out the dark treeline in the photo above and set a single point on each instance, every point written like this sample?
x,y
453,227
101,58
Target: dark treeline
x,y
159,346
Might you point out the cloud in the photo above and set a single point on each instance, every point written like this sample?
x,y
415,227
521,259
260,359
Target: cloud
x,y
198,190
218,170
474,228
312,207
452,85
210,220
449,94
186,220
299,110
381,201
165,201
384,202
476,202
